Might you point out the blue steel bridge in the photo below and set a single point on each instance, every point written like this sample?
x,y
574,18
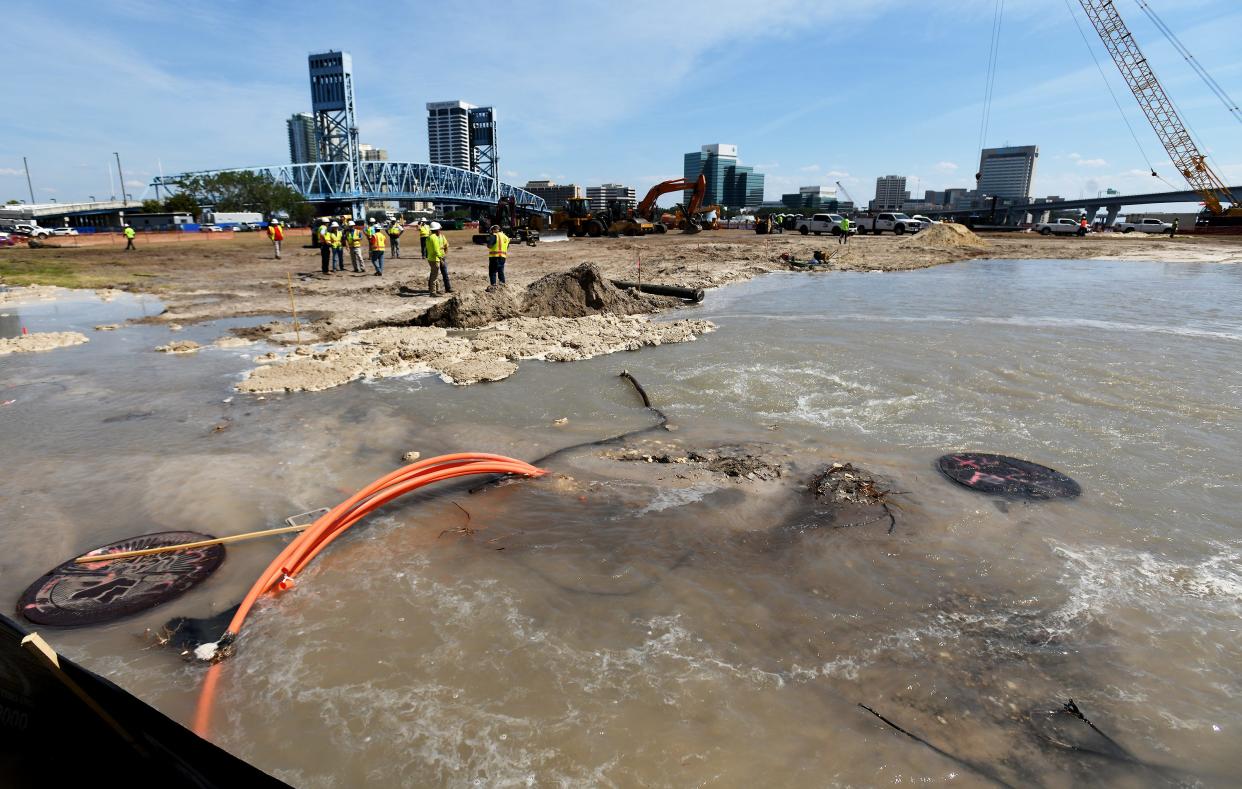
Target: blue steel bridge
x,y
356,183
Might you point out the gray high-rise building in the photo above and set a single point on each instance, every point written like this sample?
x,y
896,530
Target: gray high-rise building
x,y
462,135
890,193
302,148
555,195
448,133
600,196
1007,173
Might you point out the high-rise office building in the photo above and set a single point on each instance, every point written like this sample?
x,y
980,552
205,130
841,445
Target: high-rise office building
x,y
553,194
332,105
369,153
462,135
448,133
1007,173
600,196
728,183
302,148
890,193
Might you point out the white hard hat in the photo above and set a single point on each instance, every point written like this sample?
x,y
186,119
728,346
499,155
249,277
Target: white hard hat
x,y
435,225
334,224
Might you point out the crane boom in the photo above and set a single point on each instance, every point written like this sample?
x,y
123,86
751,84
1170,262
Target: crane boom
x,y
1155,103
841,186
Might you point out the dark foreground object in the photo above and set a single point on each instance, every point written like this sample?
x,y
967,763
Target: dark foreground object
x,y
72,594
66,726
1005,476
694,295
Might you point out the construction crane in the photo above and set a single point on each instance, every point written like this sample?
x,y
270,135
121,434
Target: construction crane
x,y
845,192
1158,108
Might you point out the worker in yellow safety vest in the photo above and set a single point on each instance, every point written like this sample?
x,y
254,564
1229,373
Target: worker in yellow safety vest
x,y
394,234
437,251
423,232
335,239
276,234
378,240
353,240
497,252
325,248
129,238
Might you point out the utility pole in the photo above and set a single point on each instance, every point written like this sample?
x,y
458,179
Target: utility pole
x,y
121,177
28,186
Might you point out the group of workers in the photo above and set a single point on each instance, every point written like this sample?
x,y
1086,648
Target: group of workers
x,y
335,236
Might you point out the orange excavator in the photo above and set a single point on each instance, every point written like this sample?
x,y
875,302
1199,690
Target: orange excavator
x,y
685,220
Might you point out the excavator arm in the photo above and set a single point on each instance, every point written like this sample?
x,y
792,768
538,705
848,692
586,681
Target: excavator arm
x,y
699,186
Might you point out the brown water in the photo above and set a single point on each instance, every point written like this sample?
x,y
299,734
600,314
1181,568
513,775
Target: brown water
x,y
639,630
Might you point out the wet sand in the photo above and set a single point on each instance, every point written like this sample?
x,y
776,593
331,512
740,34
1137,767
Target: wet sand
x,y
213,277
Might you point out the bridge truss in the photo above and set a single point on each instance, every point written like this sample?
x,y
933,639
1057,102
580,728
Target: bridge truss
x,y
337,182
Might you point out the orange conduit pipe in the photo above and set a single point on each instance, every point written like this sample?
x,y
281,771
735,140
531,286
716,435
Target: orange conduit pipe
x,y
311,542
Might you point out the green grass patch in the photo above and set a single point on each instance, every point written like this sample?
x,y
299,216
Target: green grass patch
x,y
52,271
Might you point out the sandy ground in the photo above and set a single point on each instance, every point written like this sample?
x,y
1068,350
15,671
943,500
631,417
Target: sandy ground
x,y
41,341
229,275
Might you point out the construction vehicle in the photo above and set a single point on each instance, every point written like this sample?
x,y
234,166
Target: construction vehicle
x,y
1161,113
518,223
684,219
623,220
576,219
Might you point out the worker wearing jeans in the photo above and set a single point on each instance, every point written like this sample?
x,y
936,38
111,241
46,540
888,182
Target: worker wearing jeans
x,y
437,252
497,251
378,239
394,236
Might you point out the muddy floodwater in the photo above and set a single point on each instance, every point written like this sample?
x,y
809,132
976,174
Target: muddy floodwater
x,y
622,625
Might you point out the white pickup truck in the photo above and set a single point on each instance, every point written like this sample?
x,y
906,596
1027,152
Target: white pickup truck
x,y
1144,226
1061,227
898,223
820,223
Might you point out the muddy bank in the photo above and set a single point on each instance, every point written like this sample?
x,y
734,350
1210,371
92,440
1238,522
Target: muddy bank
x,y
41,341
489,355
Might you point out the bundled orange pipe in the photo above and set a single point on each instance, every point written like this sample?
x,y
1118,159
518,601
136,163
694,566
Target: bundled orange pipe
x,y
307,545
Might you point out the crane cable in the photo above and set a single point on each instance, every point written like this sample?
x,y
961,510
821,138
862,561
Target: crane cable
x,y
1171,37
990,79
1116,102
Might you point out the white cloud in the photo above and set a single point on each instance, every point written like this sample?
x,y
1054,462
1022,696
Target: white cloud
x,y
841,175
511,174
1084,162
135,184
10,171
48,189
810,168
945,167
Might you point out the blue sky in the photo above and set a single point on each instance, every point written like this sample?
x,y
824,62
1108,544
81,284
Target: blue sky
x,y
586,92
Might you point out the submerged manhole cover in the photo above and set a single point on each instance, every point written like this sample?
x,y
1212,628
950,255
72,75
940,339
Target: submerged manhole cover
x,y
86,594
1005,476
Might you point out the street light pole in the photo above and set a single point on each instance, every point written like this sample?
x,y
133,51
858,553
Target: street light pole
x,y
28,186
120,175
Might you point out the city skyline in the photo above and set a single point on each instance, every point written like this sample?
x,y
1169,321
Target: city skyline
x,y
182,107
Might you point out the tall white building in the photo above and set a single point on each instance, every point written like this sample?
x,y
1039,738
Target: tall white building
x,y
600,196
448,133
890,193
1007,172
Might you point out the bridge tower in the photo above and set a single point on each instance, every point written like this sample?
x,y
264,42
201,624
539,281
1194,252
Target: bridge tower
x,y
332,104
484,155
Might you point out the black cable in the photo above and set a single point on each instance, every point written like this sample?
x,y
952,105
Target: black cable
x,y
1184,51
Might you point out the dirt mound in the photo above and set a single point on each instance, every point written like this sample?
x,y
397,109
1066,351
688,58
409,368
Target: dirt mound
x,y
471,310
946,235
583,291
40,341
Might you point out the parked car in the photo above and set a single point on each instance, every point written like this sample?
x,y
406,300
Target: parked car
x,y
210,229
1061,227
925,221
32,230
896,222
820,223
1144,226
64,231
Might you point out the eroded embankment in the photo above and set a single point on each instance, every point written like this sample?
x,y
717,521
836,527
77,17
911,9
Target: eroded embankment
x,y
562,317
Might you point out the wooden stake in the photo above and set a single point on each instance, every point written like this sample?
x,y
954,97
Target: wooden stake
x,y
294,309
107,557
